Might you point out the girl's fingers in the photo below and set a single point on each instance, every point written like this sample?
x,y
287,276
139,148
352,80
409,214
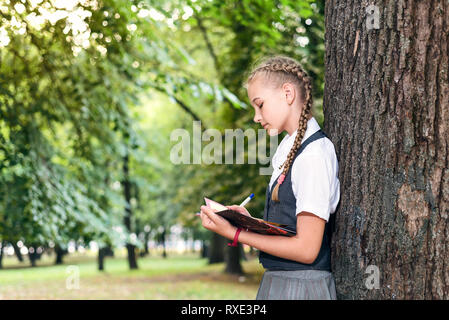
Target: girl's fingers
x,y
206,209
209,213
214,222
236,208
206,222
239,209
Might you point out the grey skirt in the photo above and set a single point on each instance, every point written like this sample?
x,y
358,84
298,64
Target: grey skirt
x,y
297,285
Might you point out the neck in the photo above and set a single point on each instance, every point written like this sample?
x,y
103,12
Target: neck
x,y
293,124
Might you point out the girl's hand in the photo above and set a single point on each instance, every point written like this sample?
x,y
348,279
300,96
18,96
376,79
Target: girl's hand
x,y
240,209
217,224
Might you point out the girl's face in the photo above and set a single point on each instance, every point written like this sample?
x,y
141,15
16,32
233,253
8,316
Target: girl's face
x,y
273,107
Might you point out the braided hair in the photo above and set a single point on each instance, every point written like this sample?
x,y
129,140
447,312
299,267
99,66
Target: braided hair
x,y
279,70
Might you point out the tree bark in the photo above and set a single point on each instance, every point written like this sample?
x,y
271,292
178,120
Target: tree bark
x,y
386,109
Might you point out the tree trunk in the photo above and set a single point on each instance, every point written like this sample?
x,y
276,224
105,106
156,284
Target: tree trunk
x,y
164,249
2,244
17,251
146,250
386,109
242,253
147,238
32,255
216,249
233,265
101,256
132,257
59,254
204,249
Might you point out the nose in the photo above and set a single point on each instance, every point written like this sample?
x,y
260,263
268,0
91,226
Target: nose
x,y
257,117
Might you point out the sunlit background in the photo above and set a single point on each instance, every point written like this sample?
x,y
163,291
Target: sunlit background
x,y
90,92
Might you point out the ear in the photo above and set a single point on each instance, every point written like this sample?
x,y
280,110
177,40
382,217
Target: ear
x,y
289,92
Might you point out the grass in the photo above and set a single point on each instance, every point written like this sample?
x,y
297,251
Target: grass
x,y
176,277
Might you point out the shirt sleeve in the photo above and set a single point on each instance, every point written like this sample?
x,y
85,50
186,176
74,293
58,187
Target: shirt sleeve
x,y
311,184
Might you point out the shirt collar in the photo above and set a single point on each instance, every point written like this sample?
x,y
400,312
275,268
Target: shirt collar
x,y
287,143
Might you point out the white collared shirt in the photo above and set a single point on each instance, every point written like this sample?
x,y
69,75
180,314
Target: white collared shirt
x,y
314,175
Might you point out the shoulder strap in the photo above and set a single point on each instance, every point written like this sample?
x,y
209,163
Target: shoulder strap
x,y
317,135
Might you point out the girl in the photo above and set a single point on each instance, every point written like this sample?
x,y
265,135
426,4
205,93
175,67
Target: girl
x,y
303,191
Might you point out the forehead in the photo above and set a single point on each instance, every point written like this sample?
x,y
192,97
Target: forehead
x,y
257,87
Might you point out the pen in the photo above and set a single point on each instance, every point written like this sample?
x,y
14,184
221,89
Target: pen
x,y
241,205
247,200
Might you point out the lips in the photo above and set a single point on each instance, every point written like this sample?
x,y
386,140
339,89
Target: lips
x,y
265,125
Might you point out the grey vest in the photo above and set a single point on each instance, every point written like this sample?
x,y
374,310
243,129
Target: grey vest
x,y
284,212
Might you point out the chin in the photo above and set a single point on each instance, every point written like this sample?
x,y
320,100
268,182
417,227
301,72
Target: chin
x,y
273,132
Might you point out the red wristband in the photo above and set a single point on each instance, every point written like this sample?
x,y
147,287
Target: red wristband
x,y
234,243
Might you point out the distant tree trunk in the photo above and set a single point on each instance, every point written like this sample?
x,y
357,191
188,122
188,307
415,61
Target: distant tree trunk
x,y
17,251
242,254
204,249
102,254
232,256
32,255
216,249
163,242
59,254
386,109
3,243
146,250
132,257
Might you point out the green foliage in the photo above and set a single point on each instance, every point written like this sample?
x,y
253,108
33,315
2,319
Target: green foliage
x,y
64,112
82,87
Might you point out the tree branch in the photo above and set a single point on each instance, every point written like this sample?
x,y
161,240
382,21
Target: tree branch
x,y
182,105
206,39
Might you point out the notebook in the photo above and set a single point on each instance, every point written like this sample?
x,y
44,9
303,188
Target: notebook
x,y
252,224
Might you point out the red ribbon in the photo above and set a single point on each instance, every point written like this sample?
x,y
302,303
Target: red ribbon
x,y
281,179
236,236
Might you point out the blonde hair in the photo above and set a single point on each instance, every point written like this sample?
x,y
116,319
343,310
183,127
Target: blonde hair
x,y
278,70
